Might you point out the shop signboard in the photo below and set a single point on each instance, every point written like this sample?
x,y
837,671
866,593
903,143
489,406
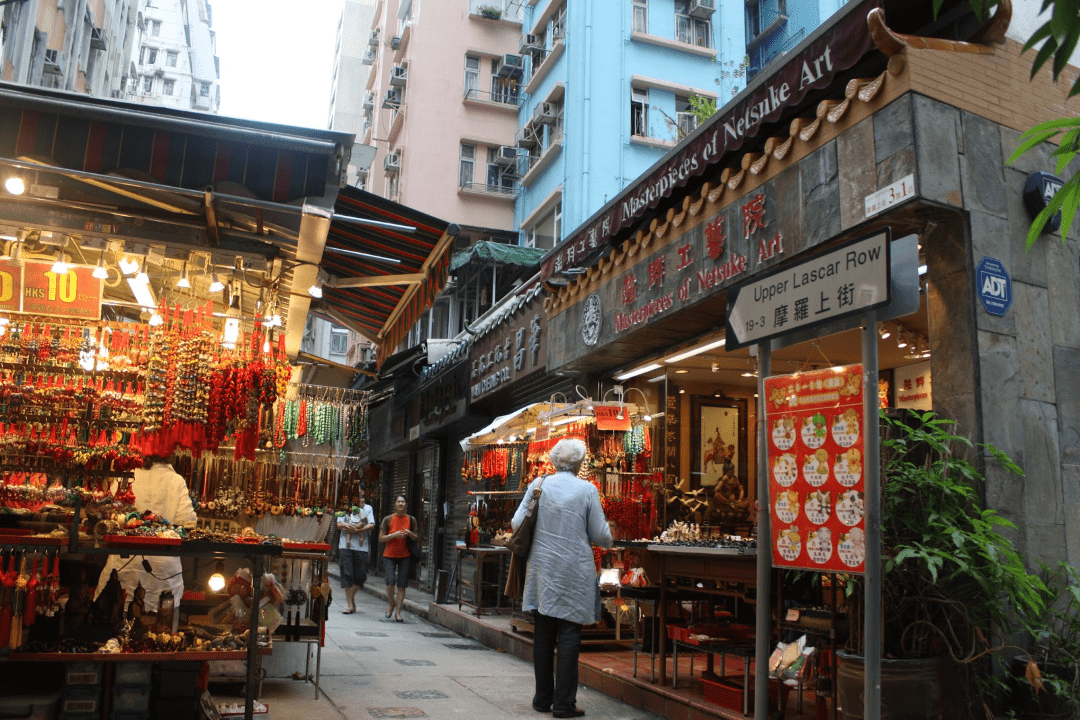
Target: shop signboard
x,y
513,349
913,389
34,288
814,423
444,399
850,279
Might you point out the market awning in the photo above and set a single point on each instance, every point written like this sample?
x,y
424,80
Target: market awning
x,y
382,278
487,251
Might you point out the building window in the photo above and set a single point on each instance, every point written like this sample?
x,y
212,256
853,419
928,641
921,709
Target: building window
x,y
639,112
641,16
494,172
465,164
692,30
684,116
558,25
204,89
170,58
472,75
392,187
151,57
142,55
167,87
547,231
155,27
339,341
147,83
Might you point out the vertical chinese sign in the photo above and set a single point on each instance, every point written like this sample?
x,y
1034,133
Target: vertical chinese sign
x,y
35,289
815,459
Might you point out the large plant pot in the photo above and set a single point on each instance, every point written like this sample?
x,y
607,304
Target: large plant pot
x,y
910,689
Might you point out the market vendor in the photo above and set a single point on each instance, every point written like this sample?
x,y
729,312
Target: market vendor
x,y
157,488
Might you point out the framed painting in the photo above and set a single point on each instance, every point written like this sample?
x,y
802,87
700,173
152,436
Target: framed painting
x,y
718,440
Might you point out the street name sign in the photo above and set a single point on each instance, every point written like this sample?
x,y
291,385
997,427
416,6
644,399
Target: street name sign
x,y
850,279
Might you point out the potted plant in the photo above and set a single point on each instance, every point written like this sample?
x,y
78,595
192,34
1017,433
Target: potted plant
x,y
1047,677
490,12
953,587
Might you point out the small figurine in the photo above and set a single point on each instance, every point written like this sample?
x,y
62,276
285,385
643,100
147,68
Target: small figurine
x,y
137,609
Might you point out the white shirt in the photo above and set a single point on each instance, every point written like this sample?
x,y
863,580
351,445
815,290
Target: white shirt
x,y
354,541
561,579
162,491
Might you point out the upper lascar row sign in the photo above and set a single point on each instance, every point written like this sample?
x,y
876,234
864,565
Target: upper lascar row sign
x,y
837,48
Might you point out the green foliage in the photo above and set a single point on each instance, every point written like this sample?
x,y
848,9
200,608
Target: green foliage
x,y
1068,197
952,585
490,12
702,107
1055,634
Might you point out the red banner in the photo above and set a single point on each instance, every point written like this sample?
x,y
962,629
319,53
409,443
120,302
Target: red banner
x,y
816,479
611,418
74,294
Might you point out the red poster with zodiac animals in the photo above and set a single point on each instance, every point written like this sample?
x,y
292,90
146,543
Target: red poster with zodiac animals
x,y
816,479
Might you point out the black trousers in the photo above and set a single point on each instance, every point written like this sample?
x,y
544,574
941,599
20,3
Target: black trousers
x,y
556,686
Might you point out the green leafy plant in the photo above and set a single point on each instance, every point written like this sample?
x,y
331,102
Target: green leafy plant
x,y
1052,672
490,12
953,587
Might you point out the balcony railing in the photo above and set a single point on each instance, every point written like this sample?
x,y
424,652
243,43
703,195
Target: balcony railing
x,y
485,189
508,96
496,10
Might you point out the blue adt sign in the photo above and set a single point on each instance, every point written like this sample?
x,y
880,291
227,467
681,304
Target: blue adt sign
x,y
994,286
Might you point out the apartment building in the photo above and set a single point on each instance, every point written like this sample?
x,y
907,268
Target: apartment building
x,y
349,82
174,62
77,45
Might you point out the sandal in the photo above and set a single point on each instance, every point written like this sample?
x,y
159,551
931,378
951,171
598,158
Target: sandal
x,y
350,611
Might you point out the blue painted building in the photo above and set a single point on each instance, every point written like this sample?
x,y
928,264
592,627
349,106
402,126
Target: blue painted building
x,y
607,85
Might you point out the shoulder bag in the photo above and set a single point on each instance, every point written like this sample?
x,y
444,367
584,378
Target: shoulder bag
x,y
520,544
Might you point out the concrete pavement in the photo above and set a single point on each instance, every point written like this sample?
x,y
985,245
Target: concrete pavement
x,y
378,668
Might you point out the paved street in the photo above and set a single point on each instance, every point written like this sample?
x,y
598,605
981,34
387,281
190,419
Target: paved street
x,y
375,668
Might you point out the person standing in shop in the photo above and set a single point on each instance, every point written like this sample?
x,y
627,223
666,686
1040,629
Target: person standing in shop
x,y
159,489
395,529
560,581
353,550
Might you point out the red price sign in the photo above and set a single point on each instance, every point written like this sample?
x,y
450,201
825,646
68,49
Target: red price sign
x,y
816,478
74,294
10,286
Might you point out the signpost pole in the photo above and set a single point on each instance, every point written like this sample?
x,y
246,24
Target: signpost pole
x,y
764,552
872,576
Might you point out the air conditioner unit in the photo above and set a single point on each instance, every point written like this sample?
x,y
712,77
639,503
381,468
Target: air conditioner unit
x,y
527,136
97,38
52,63
702,8
369,58
399,74
529,43
507,155
369,101
392,98
544,113
374,39
511,66
395,42
392,162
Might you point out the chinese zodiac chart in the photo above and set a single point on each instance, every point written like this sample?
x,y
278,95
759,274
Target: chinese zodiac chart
x,y
816,479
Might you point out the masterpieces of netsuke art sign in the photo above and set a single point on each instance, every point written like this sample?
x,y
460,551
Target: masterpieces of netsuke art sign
x,y
815,461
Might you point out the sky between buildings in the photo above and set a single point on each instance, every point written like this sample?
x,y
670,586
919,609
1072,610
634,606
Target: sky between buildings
x,y
277,58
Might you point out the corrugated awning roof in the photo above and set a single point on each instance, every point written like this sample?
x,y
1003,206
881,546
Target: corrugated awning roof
x,y
378,298
485,250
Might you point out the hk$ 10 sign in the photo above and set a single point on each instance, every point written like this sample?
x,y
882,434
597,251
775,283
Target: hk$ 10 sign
x,y
34,288
816,478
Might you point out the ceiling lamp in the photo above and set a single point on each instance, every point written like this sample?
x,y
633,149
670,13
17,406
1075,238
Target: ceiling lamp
x,y
216,285
900,341
883,331
697,351
156,320
128,266
101,272
316,290
60,267
183,281
15,185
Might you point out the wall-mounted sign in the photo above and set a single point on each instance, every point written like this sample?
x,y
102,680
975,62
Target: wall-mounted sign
x,y
994,286
851,279
913,390
34,288
1039,188
512,350
886,197
816,480
611,418
592,316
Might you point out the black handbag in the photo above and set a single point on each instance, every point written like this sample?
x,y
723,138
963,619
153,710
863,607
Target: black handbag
x,y
520,545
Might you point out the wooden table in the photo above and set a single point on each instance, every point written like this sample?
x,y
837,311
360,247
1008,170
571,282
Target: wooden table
x,y
484,556
719,571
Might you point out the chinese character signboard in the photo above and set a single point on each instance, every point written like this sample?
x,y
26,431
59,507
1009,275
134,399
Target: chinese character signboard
x,y
814,423
34,288
515,348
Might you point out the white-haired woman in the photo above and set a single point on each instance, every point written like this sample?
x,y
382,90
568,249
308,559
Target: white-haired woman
x,y
560,582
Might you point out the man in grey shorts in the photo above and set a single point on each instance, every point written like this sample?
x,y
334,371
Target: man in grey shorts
x,y
353,547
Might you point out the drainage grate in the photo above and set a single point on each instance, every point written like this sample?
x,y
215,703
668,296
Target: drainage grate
x,y
358,648
420,694
414,662
464,646
361,633
440,635
396,712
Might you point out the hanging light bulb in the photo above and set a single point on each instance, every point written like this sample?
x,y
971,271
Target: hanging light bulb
x,y
183,281
216,285
217,581
60,267
128,266
101,272
15,185
156,320
142,277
